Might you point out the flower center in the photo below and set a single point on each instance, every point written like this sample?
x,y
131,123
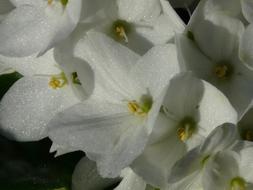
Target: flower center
x,y
140,108
237,183
63,2
223,70
121,29
75,78
58,81
248,135
186,128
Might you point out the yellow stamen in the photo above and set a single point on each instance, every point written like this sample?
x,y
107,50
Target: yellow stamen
x,y
49,2
186,128
237,183
221,71
120,32
58,81
135,108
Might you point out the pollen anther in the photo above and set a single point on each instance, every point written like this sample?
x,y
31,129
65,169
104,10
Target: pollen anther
x,y
58,81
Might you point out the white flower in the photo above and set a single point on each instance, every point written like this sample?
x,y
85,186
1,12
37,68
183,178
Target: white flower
x,y
230,170
37,25
113,125
188,172
45,90
191,110
138,24
210,50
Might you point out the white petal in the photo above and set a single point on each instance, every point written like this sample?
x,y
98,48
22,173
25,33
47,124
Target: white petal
x,y
186,166
131,181
155,69
157,159
137,10
33,65
247,10
29,105
26,2
215,109
231,8
245,164
5,70
191,182
105,131
220,139
183,96
86,177
24,32
217,35
220,170
111,63
191,58
246,47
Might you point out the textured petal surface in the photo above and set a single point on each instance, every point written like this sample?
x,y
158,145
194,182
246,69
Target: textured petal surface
x,y
132,10
220,170
86,177
106,131
245,163
157,66
131,181
18,28
32,65
111,63
247,10
220,139
215,109
29,105
183,96
246,47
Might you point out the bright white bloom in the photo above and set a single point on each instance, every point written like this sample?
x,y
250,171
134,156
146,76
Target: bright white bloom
x,y
37,25
5,70
138,24
191,110
45,90
187,172
210,49
230,170
113,125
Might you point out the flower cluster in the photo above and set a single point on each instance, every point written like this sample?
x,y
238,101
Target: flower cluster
x,y
158,103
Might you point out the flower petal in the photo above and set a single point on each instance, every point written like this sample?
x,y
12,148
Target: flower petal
x,y
246,50
183,96
220,170
220,110
154,164
29,105
217,35
132,10
111,63
105,131
20,31
86,177
33,65
247,10
131,181
155,69
220,139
